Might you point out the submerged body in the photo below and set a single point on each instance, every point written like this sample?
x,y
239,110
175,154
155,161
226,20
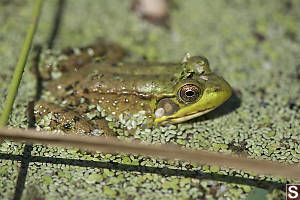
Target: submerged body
x,y
96,79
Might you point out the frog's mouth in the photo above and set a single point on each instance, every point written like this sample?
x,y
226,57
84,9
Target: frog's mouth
x,y
188,117
176,120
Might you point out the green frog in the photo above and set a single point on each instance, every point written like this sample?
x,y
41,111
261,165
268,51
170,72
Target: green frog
x,y
91,90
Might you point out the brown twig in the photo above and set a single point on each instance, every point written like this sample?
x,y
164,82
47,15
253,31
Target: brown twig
x,y
169,151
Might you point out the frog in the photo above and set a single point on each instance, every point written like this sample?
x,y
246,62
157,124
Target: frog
x,y
90,90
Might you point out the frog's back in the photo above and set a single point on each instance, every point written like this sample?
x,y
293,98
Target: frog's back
x,y
109,77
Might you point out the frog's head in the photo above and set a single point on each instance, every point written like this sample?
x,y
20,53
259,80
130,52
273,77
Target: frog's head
x,y
196,92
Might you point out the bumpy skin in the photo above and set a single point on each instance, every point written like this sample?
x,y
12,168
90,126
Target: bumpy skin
x,y
96,77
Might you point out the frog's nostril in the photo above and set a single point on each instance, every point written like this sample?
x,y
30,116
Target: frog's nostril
x,y
217,89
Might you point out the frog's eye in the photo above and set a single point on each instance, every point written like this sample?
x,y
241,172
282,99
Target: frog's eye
x,y
189,93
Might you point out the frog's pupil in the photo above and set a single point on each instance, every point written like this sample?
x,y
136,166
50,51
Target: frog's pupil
x,y
189,93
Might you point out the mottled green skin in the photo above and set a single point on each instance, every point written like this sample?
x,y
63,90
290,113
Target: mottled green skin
x,y
94,76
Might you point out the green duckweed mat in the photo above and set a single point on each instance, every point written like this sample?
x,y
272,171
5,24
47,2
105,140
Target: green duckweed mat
x,y
255,45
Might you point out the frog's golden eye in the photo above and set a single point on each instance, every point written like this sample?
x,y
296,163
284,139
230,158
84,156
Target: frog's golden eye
x,y
189,93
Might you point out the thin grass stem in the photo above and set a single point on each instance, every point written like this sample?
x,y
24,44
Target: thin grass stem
x,y
17,76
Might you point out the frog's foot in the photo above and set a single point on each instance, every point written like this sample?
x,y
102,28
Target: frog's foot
x,y
54,64
53,117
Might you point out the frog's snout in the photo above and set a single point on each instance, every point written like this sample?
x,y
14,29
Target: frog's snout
x,y
226,91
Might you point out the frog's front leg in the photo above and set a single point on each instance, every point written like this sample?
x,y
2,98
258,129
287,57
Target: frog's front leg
x,y
55,63
49,116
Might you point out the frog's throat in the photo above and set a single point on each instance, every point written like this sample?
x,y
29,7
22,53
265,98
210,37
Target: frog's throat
x,y
183,118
